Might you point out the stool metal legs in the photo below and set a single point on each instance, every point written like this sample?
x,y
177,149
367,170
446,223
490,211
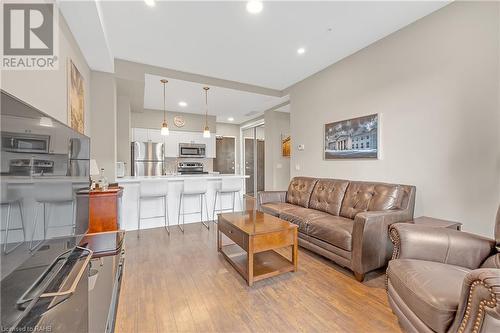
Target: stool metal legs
x,y
167,220
203,197
219,193
7,226
46,212
181,200
31,247
165,216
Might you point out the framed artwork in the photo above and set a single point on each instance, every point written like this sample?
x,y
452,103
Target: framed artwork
x,y
285,145
76,99
352,138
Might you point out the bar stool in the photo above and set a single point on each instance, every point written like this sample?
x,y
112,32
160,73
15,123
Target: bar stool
x,y
48,194
153,190
9,199
227,186
193,187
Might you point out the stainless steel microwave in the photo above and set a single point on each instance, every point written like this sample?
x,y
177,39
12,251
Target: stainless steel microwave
x,y
197,150
25,143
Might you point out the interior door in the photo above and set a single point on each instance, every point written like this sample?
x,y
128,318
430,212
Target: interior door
x,y
249,166
225,155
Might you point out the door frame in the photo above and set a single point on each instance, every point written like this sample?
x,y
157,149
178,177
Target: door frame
x,y
254,125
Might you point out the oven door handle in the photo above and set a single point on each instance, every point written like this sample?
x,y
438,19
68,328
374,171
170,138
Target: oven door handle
x,y
72,289
23,299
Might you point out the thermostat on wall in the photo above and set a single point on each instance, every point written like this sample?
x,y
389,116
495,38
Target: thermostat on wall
x,y
301,147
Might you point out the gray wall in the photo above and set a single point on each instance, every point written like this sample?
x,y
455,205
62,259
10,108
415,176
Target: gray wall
x,y
47,90
435,84
277,166
123,131
103,108
154,119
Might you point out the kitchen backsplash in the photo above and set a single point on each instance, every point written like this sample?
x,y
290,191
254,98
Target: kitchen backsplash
x,y
171,163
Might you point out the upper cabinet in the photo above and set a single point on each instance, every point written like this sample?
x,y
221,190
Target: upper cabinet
x,y
173,139
140,134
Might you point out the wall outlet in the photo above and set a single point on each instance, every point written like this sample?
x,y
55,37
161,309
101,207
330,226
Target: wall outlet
x,y
279,166
297,167
301,147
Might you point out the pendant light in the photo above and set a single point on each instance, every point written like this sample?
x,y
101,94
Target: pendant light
x,y
206,131
164,127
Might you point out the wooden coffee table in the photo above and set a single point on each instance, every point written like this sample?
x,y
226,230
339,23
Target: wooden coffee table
x,y
258,235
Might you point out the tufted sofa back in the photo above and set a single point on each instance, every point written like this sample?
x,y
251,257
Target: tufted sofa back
x,y
299,191
328,194
348,198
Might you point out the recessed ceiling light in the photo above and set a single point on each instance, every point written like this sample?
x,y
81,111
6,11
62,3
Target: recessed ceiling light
x,y
301,50
150,3
183,104
254,7
230,119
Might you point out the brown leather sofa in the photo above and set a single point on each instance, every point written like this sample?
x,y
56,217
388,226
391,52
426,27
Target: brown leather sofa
x,y
444,280
345,221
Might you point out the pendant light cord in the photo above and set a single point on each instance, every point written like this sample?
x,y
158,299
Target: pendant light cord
x,y
164,101
206,107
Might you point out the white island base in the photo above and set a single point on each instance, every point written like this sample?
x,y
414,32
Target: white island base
x,y
154,207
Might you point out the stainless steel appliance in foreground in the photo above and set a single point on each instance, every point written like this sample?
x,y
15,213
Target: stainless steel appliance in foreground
x,y
147,159
45,265
106,269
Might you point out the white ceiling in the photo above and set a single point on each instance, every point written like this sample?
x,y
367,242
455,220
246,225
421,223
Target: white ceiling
x,y
284,108
222,102
223,40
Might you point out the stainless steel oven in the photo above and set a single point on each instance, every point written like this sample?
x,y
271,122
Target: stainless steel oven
x,y
192,150
25,143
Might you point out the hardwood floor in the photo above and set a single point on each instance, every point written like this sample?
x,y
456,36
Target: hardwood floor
x,y
179,283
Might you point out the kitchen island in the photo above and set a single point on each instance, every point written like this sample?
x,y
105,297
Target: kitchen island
x,y
152,208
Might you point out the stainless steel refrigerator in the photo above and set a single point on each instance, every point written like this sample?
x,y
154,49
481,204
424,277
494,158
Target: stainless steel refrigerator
x,y
79,162
147,158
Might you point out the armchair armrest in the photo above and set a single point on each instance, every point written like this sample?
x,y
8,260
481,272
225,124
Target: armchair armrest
x,y
371,247
440,245
479,307
270,196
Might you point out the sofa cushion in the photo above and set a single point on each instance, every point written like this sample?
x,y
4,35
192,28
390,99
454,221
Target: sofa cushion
x,y
362,196
430,289
327,195
357,199
275,208
301,216
334,230
386,197
299,191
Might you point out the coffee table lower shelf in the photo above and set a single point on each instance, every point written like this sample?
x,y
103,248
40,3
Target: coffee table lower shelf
x,y
265,264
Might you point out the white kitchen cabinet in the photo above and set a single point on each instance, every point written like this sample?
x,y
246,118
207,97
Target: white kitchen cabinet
x,y
172,144
173,139
140,134
210,145
147,135
154,135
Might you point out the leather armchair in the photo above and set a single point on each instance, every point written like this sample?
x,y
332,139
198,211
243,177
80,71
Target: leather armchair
x,y
443,280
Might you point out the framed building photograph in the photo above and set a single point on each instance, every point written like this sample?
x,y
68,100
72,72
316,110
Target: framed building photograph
x,y
76,99
352,138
